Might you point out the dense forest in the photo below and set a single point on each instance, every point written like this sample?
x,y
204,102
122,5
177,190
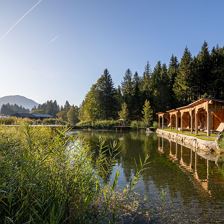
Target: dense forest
x,y
139,97
166,87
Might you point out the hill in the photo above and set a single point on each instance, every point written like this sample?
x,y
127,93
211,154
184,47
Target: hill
x,y
19,100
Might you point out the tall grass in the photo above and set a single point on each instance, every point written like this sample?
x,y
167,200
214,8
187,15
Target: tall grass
x,y
47,176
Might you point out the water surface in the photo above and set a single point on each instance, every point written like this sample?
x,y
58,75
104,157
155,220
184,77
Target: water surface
x,y
179,186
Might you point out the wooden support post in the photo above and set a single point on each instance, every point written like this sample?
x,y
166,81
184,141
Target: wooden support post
x,y
159,121
181,121
208,122
211,121
163,121
177,121
191,116
170,122
196,122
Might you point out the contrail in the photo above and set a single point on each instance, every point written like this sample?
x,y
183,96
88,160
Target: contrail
x,y
20,20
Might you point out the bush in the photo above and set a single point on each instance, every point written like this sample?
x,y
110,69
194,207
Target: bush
x,y
99,124
8,120
155,124
53,121
137,124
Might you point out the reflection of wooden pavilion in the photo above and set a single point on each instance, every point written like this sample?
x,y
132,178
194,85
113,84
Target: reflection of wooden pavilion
x,y
203,115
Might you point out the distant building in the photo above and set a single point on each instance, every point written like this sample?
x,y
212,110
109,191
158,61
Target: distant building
x,y
32,116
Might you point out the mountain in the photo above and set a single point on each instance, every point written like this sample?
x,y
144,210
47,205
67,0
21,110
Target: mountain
x,y
19,100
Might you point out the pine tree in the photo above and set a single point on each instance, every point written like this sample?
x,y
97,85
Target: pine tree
x,y
101,101
146,82
217,73
147,113
137,100
182,86
172,74
106,96
123,114
202,70
127,87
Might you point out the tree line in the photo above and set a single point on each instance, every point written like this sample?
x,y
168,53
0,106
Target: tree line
x,y
8,109
163,88
68,113
140,97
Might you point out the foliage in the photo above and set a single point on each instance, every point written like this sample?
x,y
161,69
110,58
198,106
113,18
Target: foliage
x,y
99,124
147,113
101,101
182,82
62,114
155,124
8,120
72,116
137,124
18,121
50,107
52,121
47,176
166,87
123,114
220,141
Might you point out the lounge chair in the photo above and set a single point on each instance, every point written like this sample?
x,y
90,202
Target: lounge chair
x,y
220,127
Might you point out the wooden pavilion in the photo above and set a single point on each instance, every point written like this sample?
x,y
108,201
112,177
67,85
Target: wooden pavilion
x,y
202,115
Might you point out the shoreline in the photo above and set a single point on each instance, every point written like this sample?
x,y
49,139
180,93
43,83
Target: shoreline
x,y
189,141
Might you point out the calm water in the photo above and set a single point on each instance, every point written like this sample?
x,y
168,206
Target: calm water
x,y
179,186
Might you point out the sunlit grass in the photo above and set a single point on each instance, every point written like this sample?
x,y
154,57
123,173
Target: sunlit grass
x,y
200,135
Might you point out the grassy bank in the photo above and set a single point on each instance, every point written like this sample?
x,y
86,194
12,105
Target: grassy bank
x,y
46,179
200,135
111,124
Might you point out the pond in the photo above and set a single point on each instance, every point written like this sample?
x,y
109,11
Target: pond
x,y
178,186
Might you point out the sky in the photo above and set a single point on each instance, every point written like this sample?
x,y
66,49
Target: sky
x,y
56,49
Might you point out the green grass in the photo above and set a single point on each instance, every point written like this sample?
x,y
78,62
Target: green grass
x,y
221,141
200,135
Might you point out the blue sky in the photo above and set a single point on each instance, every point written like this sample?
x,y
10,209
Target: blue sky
x,y
56,49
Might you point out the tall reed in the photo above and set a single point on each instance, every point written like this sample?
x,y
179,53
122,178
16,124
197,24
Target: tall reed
x,y
47,176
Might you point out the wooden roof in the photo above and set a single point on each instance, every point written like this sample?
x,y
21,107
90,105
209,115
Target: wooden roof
x,y
195,103
200,101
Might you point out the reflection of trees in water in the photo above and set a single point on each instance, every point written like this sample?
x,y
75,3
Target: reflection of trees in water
x,y
103,150
135,146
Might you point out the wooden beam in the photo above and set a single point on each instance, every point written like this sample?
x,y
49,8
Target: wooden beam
x,y
162,121
176,121
196,122
208,120
191,117
181,121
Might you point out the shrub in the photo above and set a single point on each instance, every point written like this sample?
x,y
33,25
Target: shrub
x,y
137,124
8,120
155,124
53,121
99,124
